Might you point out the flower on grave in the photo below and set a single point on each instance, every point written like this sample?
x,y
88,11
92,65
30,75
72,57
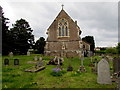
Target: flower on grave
x,y
56,70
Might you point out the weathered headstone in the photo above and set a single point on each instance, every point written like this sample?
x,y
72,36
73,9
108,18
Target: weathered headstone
x,y
16,61
28,53
11,54
116,64
35,58
6,61
40,58
40,63
103,72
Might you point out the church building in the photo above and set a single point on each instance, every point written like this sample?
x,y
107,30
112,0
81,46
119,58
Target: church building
x,y
64,37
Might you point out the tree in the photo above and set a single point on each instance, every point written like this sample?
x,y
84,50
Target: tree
x,y
6,47
118,48
22,37
90,39
39,45
111,50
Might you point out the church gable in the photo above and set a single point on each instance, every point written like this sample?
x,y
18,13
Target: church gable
x,y
63,28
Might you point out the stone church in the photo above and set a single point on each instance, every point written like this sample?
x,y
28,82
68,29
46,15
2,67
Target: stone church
x,y
64,38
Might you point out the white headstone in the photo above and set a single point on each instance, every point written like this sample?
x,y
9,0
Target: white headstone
x,y
40,58
11,54
35,58
28,53
103,72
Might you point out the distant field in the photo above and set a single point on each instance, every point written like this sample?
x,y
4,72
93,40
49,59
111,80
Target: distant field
x,y
15,77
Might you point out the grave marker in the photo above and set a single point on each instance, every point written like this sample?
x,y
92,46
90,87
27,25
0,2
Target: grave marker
x,y
6,61
16,61
35,58
28,53
103,72
116,64
11,54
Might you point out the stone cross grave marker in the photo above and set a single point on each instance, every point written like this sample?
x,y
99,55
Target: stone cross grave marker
x,y
35,58
6,61
11,54
16,61
82,58
103,72
28,53
116,64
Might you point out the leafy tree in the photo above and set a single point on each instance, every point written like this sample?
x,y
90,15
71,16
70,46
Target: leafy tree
x,y
118,48
39,45
22,37
6,47
111,50
90,39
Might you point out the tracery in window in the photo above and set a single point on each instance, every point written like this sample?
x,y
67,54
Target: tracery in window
x,y
62,27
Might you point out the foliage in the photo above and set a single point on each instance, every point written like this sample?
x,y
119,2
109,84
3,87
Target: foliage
x,y
5,34
75,73
118,48
100,51
57,72
39,45
90,39
111,50
22,37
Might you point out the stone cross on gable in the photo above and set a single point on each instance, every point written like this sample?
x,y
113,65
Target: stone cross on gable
x,y
62,6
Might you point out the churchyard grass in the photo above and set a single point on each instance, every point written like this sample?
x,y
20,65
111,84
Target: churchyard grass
x,y
15,77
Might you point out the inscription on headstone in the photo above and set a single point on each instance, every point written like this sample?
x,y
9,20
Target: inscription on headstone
x,y
103,72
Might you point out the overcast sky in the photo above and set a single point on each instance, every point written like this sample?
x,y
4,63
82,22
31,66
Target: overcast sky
x,y
98,19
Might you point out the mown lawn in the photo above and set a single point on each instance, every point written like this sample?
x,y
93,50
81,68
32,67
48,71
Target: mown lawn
x,y
15,77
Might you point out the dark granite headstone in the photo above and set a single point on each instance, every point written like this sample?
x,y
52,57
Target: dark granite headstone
x,y
116,64
6,61
16,61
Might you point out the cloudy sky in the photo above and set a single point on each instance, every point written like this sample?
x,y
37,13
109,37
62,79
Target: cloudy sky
x,y
98,19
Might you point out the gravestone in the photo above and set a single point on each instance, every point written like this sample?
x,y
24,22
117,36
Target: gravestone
x,y
35,58
11,54
40,58
16,61
103,72
28,53
40,63
82,68
116,64
6,61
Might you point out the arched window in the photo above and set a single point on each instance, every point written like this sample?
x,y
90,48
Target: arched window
x,y
62,27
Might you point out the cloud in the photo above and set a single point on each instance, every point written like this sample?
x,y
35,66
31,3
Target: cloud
x,y
95,19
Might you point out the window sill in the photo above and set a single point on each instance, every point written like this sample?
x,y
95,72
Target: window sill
x,y
63,36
